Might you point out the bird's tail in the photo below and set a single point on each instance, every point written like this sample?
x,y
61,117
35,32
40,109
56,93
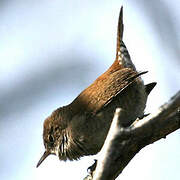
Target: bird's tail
x,y
122,55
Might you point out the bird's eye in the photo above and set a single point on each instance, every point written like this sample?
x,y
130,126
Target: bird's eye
x,y
51,139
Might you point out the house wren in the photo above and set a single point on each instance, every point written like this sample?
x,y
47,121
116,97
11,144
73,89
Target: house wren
x,y
80,128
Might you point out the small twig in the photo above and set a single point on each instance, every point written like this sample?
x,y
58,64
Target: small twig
x,y
103,164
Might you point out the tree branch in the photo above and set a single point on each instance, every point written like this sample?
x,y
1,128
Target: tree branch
x,y
122,144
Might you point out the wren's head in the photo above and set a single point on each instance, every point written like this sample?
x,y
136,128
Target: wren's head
x,y
59,138
55,136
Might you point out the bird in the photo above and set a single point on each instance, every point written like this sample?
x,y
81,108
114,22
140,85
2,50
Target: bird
x,y
80,128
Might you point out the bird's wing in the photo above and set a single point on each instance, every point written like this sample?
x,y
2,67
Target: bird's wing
x,y
104,89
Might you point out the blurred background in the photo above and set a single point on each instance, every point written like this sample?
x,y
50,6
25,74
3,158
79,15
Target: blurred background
x,y
51,50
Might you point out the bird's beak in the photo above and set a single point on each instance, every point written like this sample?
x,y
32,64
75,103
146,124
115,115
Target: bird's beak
x,y
44,156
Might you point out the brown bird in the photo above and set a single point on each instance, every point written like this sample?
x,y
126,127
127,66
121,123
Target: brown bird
x,y
80,128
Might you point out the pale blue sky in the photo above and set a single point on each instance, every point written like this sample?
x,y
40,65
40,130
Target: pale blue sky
x,y
51,50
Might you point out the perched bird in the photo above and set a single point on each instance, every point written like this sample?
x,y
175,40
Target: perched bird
x,y
80,128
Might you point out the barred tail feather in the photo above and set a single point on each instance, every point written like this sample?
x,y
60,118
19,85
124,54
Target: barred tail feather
x,y
122,55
